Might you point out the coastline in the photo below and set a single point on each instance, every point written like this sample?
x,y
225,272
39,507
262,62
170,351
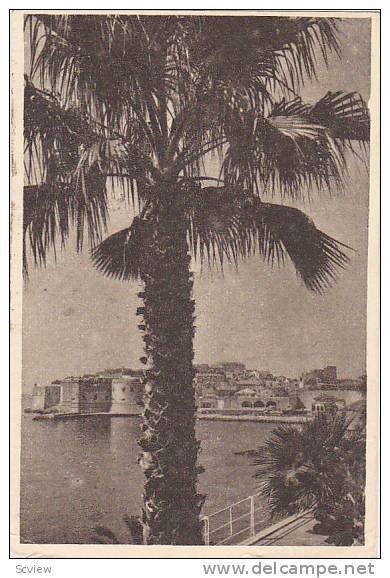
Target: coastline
x,y
199,416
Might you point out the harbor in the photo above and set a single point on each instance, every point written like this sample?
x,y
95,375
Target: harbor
x,y
89,470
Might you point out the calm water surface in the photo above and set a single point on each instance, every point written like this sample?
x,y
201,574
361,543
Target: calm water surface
x,y
79,474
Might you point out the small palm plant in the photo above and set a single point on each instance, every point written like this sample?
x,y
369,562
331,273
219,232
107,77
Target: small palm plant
x,y
319,466
140,103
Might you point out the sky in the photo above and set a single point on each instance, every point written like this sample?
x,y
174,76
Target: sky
x,y
76,321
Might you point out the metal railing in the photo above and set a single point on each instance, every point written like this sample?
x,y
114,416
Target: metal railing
x,y
236,522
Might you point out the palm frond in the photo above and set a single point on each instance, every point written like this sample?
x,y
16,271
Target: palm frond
x,y
290,155
306,467
277,51
345,115
298,45
220,225
120,256
106,66
228,224
56,195
50,209
296,148
286,231
67,162
304,147
65,140
45,213
236,68
52,135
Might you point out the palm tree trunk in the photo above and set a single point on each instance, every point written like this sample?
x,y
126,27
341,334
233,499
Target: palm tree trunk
x,y
171,503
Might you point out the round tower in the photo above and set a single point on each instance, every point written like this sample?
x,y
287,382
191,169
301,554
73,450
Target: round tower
x,y
126,395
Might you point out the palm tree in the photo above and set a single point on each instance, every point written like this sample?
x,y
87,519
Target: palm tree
x,y
140,103
319,466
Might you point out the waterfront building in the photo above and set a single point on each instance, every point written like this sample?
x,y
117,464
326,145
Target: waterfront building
x,y
208,401
246,397
92,394
45,396
85,395
210,378
126,394
204,389
352,384
283,403
225,389
327,404
69,400
308,396
249,398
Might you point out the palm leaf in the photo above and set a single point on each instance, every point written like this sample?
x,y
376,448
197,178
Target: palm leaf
x,y
306,467
224,225
232,225
56,195
281,51
67,161
220,224
290,155
286,231
120,255
50,209
65,140
346,116
43,216
297,147
52,136
103,64
241,61
304,147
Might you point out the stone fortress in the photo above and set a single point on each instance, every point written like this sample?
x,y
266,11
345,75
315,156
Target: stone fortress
x,y
111,391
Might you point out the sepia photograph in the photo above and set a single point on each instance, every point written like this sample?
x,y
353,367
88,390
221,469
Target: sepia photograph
x,y
194,258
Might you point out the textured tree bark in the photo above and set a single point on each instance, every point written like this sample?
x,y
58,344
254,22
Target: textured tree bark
x,y
171,503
